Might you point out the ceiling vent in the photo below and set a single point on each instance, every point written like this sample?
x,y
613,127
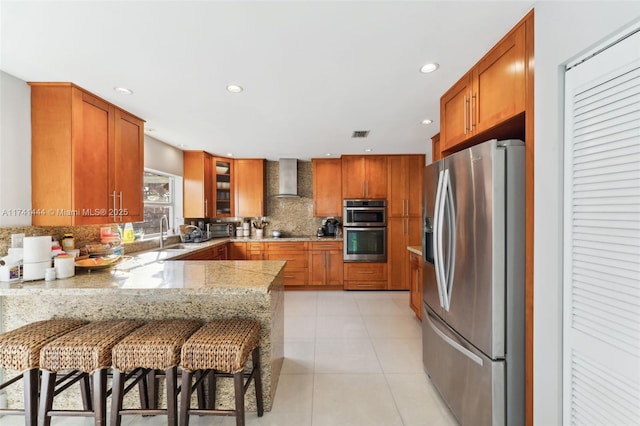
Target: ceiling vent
x,y
360,133
288,177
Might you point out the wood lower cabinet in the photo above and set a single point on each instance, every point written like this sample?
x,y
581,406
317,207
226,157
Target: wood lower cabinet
x,y
86,158
217,252
256,251
489,94
402,232
198,181
295,253
325,263
249,179
364,176
415,280
365,276
237,251
327,187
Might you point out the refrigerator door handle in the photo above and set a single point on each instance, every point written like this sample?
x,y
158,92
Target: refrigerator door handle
x,y
437,240
457,346
449,268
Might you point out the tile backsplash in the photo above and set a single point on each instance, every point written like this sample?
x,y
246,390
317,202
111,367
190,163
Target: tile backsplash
x,y
83,235
291,215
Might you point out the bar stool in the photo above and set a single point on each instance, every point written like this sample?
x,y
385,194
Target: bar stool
x,y
152,347
20,350
221,349
85,351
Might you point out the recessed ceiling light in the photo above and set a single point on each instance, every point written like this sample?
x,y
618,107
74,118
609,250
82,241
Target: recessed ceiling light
x,y
430,67
328,154
427,121
234,88
182,145
368,150
229,154
123,90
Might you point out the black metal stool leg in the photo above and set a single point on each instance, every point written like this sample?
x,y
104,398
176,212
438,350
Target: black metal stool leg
x,y
238,381
30,379
46,397
185,398
117,386
99,379
257,380
171,377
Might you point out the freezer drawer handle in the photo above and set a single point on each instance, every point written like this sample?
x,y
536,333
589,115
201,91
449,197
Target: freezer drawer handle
x,y
466,352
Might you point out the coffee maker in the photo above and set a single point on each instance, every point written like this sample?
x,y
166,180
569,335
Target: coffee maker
x,y
331,226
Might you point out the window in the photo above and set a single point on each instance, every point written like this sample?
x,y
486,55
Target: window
x,y
158,195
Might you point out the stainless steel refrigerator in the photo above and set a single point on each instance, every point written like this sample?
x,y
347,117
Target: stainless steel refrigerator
x,y
473,268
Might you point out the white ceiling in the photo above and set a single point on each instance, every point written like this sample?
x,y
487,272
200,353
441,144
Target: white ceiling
x,y
313,71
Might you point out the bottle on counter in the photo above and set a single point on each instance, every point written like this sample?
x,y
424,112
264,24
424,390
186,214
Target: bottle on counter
x,y
129,234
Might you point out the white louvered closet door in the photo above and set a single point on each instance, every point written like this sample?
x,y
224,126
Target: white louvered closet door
x,y
601,329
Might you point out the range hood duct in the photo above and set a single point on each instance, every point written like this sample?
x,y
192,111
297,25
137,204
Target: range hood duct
x,y
288,178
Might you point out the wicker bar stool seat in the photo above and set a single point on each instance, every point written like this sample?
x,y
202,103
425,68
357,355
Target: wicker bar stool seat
x,y
152,347
221,349
86,352
20,350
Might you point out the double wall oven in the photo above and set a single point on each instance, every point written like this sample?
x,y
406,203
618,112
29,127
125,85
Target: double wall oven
x,y
365,230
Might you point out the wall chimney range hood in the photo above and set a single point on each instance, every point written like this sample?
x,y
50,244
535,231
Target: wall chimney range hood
x,y
288,177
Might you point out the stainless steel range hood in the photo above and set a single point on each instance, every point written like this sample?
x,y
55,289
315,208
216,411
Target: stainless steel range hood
x,y
288,178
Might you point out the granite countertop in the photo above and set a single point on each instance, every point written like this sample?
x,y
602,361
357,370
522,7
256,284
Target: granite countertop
x,y
155,270
415,249
161,269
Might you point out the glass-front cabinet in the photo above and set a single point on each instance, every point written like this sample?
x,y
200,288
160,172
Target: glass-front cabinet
x,y
223,187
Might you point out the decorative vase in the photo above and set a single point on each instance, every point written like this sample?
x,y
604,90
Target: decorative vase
x,y
259,233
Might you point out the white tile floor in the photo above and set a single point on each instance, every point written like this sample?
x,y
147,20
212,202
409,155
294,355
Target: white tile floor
x,y
351,358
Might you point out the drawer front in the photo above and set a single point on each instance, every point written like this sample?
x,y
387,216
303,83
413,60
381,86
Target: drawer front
x,y
326,245
295,277
365,285
294,260
255,246
365,271
287,246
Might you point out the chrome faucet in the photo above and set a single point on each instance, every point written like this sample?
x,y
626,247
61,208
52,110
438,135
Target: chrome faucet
x,y
163,237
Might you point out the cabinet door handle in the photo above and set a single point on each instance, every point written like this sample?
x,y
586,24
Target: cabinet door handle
x,y
120,211
471,111
465,114
114,205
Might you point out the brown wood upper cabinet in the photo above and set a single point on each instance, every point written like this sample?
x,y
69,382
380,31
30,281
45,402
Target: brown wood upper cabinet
x,y
364,176
87,158
404,185
490,93
223,190
327,189
198,184
249,179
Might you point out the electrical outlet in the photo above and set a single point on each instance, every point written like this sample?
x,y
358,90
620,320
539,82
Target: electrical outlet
x,y
17,240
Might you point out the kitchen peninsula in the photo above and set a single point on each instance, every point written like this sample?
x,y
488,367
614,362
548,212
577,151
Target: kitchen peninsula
x,y
159,290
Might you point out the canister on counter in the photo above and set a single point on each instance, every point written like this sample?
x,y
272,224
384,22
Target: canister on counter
x,y
67,242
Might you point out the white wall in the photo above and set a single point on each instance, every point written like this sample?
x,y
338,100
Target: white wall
x,y
162,157
15,150
563,31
